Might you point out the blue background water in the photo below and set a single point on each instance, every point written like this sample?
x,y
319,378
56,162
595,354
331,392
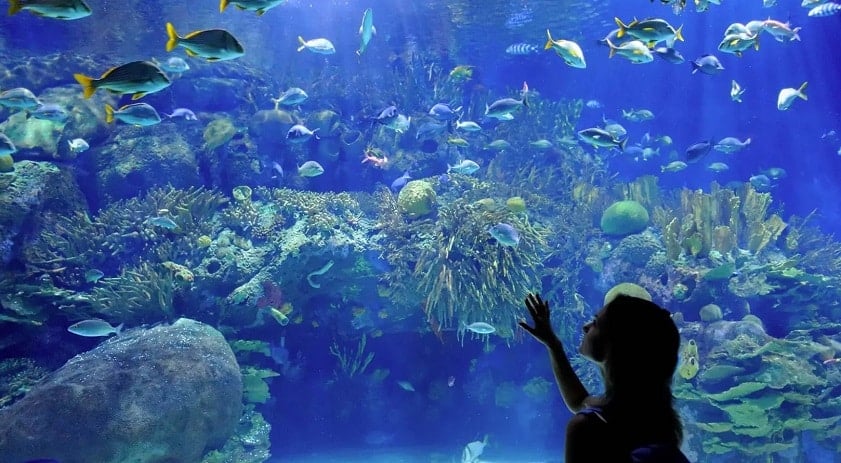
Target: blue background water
x,y
689,108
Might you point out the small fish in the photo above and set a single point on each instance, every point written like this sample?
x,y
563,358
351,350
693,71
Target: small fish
x,y
94,328
50,112
163,222
674,166
707,64
291,97
787,96
542,144
187,114
137,77
366,31
761,183
479,327
400,182
443,113
669,54
310,169
406,386
137,114
458,141
593,104
465,167
320,46
600,138
498,145
504,108
451,381
650,31
827,9
468,126
634,51
56,9
718,167
78,145
568,50
19,98
505,234
93,275
736,91
210,44
399,124
698,151
300,134
258,6
731,145
521,49
173,65
461,73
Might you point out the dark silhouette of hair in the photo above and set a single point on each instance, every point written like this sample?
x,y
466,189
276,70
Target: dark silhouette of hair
x,y
641,344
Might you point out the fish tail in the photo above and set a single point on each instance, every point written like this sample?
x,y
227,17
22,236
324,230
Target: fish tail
x,y
801,90
623,143
87,84
622,27
679,34
15,6
222,5
172,40
109,114
119,328
548,40
612,48
303,43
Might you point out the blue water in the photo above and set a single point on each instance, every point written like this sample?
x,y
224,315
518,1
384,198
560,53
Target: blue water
x,y
313,418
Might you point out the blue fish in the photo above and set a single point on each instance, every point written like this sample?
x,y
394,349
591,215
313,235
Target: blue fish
x,y
505,234
400,182
698,150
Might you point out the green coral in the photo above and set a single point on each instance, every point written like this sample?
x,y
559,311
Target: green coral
x,y
624,218
255,389
250,443
416,198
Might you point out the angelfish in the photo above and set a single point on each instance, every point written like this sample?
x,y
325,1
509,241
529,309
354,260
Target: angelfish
x,y
366,30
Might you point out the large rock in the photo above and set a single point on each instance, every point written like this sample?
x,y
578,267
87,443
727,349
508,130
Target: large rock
x,y
163,395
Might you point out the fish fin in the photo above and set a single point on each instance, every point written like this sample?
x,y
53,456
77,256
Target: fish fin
x,y
622,28
679,34
109,114
374,30
261,12
801,90
549,41
303,43
14,7
222,5
87,84
119,328
612,48
190,53
173,38
138,95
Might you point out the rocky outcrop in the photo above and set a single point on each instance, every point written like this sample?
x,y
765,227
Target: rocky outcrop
x,y
161,395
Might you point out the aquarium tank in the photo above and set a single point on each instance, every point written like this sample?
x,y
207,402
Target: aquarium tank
x,y
253,231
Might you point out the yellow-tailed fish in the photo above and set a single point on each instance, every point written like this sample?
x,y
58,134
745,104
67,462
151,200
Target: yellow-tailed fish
x,y
210,44
56,9
136,77
366,30
258,6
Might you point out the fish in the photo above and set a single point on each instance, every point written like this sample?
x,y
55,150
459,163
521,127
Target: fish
x,y
650,31
300,134
310,169
498,145
718,167
521,49
56,9
187,114
600,138
674,166
736,91
698,151
822,11
568,50
638,115
505,234
210,44
542,144
468,126
94,328
50,112
731,145
163,222
593,104
479,327
173,65
320,46
6,145
19,98
366,31
707,64
473,451
504,107
291,97
781,31
443,113
775,173
137,77
406,386
400,182
465,167
258,6
78,145
787,96
669,54
634,51
137,114
761,183
93,275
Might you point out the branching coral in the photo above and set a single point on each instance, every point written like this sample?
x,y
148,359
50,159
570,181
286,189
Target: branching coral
x,y
351,363
141,294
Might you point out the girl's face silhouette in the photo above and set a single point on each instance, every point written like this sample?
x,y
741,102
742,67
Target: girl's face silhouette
x,y
593,343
